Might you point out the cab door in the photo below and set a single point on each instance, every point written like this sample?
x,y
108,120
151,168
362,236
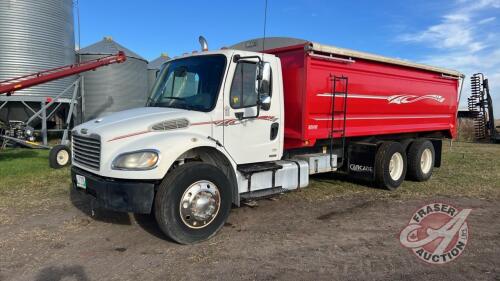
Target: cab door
x,y
251,133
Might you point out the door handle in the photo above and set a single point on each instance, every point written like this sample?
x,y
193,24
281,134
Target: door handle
x,y
274,130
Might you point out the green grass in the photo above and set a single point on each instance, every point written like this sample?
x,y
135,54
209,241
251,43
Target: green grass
x,y
26,180
468,170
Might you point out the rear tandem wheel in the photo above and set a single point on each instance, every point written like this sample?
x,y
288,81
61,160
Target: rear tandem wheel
x,y
421,158
390,165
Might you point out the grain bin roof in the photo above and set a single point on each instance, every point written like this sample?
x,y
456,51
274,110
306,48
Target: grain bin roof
x,y
280,42
156,63
108,47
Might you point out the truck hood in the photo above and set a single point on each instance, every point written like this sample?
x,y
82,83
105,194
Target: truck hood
x,y
137,121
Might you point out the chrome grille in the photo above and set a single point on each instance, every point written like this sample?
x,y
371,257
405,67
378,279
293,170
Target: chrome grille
x,y
87,151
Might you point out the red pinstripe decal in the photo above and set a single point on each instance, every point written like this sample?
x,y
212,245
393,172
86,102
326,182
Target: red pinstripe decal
x,y
233,121
226,122
201,123
129,135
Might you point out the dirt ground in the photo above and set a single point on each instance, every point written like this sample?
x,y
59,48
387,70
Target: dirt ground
x,y
289,238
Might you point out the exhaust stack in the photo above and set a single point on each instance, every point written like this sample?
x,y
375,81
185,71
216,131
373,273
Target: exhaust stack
x,y
203,43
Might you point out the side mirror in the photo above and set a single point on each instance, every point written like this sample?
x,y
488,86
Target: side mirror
x,y
263,84
263,78
265,102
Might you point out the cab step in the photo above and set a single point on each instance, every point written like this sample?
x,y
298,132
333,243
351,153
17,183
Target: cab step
x,y
248,169
259,180
264,193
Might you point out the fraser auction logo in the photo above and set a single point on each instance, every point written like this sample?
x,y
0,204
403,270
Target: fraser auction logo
x,y
437,233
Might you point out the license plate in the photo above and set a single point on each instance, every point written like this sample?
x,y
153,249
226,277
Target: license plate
x,y
81,182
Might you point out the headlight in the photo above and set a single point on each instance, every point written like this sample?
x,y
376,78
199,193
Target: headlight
x,y
138,160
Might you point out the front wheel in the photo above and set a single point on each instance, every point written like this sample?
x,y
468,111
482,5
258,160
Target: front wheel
x,y
193,202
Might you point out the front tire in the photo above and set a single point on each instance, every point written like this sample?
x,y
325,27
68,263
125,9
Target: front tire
x,y
390,165
421,157
193,202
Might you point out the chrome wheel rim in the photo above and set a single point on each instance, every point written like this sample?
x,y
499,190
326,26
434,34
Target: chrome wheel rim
x,y
199,204
396,166
62,157
426,161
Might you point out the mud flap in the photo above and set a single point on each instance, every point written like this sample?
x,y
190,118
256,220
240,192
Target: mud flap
x,y
438,148
361,160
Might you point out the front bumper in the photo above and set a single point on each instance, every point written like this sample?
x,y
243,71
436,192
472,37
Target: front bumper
x,y
117,194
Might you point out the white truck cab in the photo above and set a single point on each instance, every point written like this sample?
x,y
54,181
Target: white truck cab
x,y
210,135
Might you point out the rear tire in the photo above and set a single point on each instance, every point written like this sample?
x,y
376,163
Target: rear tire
x,y
59,156
421,157
390,165
193,202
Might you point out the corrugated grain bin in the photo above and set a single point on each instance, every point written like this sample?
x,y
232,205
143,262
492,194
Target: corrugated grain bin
x,y
153,68
34,36
116,87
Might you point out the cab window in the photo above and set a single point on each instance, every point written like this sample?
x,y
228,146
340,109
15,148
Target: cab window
x,y
190,83
243,92
183,84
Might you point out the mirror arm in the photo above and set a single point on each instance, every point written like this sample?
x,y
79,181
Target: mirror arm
x,y
237,58
258,105
239,115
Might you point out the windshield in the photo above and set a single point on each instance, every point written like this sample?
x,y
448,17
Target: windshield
x,y
191,83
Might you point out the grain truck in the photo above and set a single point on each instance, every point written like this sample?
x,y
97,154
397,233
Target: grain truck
x,y
232,125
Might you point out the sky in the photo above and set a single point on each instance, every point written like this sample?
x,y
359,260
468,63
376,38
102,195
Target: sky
x,y
460,34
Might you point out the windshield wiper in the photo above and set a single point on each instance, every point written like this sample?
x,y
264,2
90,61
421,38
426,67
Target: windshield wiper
x,y
180,105
149,101
186,106
173,98
193,107
162,102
